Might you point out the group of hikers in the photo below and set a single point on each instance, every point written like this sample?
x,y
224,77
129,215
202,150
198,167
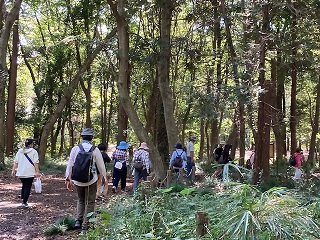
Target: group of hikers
x,y
86,169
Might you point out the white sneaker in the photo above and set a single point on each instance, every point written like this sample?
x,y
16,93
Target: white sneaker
x,y
23,205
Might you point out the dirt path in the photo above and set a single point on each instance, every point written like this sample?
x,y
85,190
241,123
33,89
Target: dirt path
x,y
44,209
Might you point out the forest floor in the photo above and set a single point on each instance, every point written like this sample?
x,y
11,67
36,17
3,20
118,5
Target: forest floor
x,y
44,209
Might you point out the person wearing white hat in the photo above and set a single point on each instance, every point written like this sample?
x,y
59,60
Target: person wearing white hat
x,y
141,163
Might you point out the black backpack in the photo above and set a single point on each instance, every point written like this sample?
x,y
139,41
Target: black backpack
x,y
137,163
292,160
82,168
177,162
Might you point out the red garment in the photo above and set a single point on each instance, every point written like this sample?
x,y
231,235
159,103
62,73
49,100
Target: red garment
x,y
297,156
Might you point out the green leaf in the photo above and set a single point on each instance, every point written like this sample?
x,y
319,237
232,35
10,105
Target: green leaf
x,y
167,190
187,191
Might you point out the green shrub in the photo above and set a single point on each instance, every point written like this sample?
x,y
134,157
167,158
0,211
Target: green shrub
x,y
60,226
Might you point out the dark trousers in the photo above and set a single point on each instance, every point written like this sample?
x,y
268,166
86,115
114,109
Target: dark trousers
x,y
120,175
26,188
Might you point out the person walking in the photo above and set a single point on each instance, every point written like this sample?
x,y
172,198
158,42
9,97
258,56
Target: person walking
x,y
298,157
102,189
141,157
217,152
26,167
121,161
178,159
190,156
86,191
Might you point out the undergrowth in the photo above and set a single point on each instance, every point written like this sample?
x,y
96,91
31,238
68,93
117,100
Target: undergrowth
x,y
240,211
276,209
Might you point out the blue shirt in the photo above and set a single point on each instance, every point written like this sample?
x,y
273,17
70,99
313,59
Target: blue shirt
x,y
183,156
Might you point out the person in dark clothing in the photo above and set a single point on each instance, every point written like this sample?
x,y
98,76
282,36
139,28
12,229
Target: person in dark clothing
x,y
218,151
102,189
226,154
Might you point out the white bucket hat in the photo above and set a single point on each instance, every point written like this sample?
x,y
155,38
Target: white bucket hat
x,y
144,146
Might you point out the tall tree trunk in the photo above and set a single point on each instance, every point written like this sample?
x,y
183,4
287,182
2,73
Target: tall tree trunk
x,y
167,6
66,98
54,137
240,106
242,135
6,23
202,137
122,123
314,126
216,46
263,135
123,36
10,121
293,106
278,114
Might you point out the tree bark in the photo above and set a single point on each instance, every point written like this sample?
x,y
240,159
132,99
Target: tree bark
x,y
167,6
6,24
261,160
314,126
10,121
293,106
66,98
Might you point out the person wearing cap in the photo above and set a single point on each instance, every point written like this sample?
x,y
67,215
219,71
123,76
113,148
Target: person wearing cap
x,y
86,192
143,154
179,151
26,167
121,161
190,156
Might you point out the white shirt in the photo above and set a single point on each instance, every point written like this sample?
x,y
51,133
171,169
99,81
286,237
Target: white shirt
x,y
25,168
190,148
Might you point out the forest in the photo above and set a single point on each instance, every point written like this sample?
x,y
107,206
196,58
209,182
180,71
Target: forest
x,y
159,72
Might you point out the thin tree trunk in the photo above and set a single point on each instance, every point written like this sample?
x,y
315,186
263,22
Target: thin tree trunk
x,y
202,136
315,126
10,121
293,106
66,98
62,139
240,107
111,109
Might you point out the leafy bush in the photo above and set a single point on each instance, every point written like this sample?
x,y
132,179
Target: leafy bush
x,y
60,226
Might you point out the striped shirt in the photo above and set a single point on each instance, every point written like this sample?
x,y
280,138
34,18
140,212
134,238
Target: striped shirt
x,y
144,156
